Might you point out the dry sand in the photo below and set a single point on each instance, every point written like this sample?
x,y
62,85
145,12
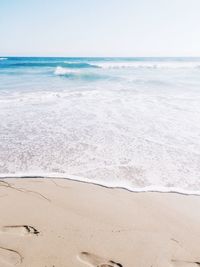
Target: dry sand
x,y
61,223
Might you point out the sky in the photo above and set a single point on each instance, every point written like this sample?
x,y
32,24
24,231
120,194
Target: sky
x,y
100,28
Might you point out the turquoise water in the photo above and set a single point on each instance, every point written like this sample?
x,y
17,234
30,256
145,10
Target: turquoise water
x,y
132,122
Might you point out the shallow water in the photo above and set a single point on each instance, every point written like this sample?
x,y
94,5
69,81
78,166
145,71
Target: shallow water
x,y
132,122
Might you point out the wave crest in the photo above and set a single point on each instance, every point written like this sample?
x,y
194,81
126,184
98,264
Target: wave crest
x,y
80,74
80,65
69,65
65,71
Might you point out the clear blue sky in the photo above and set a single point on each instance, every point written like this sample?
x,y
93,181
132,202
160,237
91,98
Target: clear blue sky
x,y
100,27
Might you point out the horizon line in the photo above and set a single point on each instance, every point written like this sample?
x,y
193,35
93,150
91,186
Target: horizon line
x,y
39,56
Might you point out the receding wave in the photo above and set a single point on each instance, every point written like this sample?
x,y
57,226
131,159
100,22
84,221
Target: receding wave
x,y
119,185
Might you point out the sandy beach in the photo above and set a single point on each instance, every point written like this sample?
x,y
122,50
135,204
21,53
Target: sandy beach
x,y
99,133
61,223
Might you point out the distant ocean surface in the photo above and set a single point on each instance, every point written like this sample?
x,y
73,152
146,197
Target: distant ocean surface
x,y
131,122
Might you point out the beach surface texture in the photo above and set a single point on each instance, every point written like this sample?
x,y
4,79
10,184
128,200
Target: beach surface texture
x,y
62,223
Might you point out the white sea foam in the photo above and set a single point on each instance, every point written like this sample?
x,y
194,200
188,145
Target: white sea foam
x,y
150,65
125,138
65,71
139,130
3,58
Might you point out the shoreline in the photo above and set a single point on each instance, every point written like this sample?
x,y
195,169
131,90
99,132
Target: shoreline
x,y
151,189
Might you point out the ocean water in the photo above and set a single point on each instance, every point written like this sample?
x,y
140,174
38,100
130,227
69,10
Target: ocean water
x,y
131,122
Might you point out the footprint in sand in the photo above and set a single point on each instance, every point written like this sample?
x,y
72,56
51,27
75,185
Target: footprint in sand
x,y
96,261
9,257
20,230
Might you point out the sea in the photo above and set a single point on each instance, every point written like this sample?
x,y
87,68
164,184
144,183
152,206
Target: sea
x,y
119,122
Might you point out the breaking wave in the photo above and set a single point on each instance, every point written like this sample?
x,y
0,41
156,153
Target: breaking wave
x,y
80,74
149,65
101,63
65,71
